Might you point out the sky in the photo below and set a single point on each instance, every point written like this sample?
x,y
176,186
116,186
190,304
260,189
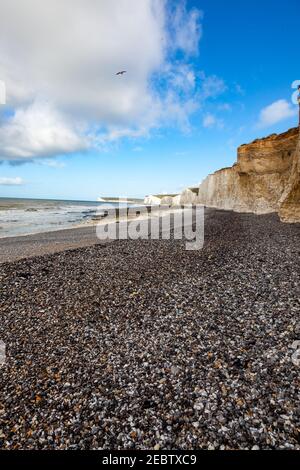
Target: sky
x,y
202,77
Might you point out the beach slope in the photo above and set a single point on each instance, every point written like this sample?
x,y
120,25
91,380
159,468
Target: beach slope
x,y
142,345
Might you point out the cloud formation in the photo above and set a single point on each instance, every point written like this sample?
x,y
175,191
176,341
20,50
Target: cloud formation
x,y
59,61
38,130
2,92
213,86
210,121
17,181
276,112
186,28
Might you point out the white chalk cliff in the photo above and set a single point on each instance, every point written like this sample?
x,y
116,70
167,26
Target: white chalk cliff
x,y
266,178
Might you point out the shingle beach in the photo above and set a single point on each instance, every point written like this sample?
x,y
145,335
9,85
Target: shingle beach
x,y
143,345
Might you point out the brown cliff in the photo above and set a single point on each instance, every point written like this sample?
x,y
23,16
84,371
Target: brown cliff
x,y
266,178
289,203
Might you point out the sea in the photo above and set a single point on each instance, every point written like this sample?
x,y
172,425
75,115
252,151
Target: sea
x,y
31,216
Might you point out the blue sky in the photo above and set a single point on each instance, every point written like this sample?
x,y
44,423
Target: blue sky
x,y
219,75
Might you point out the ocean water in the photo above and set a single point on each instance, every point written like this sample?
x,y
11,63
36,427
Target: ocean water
x,y
29,216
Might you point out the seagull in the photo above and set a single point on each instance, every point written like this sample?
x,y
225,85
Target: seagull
x,y
121,73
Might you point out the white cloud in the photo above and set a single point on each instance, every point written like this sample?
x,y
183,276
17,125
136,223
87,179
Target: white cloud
x,y
70,50
276,112
17,181
38,130
52,163
2,92
177,111
187,29
181,76
238,89
186,92
66,53
225,107
212,86
210,120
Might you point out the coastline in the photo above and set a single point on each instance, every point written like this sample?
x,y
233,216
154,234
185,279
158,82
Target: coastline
x,y
44,243
143,345
54,241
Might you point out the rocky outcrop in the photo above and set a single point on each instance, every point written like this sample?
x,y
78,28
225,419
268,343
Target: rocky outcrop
x,y
289,203
273,154
162,200
189,196
152,201
265,178
241,192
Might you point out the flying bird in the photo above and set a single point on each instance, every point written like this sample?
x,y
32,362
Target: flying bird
x,y
121,73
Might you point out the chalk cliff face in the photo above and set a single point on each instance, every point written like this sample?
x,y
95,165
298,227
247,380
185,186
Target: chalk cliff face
x,y
289,203
266,178
152,201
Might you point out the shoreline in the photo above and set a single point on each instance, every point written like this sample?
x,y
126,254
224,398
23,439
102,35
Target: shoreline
x,y
22,217
43,243
94,220
46,243
144,345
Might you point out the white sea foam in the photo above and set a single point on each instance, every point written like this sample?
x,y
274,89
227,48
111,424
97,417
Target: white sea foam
x,y
24,216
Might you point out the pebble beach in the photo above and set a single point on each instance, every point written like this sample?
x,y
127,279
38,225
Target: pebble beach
x,y
144,345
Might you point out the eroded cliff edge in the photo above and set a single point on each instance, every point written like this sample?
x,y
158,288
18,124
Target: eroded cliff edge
x,y
265,178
